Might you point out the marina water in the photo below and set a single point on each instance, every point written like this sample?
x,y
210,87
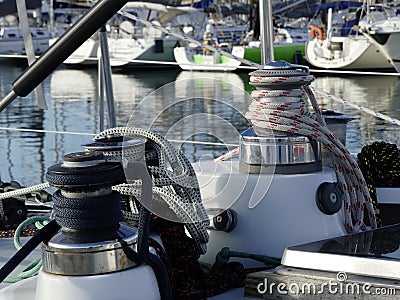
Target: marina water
x,y
184,106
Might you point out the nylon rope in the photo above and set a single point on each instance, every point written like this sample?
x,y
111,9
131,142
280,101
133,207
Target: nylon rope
x,y
285,111
380,164
24,191
174,170
34,267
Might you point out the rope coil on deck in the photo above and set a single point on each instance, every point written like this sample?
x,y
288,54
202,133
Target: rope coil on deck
x,y
174,180
271,109
380,164
87,212
175,187
85,206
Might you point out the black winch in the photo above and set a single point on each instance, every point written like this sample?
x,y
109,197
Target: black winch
x,y
85,206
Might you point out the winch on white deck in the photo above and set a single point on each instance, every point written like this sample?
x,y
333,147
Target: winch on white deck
x,y
279,190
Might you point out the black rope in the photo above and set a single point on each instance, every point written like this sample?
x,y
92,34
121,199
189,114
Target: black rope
x,y
75,178
143,231
87,212
83,202
380,165
162,276
152,260
43,235
158,266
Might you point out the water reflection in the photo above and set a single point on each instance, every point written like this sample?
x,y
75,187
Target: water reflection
x,y
197,106
187,106
73,107
381,94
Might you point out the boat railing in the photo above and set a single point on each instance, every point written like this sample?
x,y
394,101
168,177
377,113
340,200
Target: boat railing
x,y
343,30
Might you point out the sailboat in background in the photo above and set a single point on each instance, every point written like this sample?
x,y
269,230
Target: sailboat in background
x,y
381,26
289,45
304,221
132,44
192,59
11,36
12,42
336,42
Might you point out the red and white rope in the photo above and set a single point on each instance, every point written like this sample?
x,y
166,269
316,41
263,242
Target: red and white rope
x,y
285,112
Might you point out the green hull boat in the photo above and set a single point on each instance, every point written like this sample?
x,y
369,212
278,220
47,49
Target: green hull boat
x,y
289,53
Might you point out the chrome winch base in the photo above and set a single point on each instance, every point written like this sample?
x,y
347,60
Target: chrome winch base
x,y
278,141
63,258
279,154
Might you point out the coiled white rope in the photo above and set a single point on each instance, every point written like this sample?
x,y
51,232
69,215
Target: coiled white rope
x,y
285,112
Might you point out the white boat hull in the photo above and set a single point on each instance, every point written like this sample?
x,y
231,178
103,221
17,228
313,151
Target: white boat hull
x,y
389,43
17,46
124,53
136,52
354,52
86,54
12,43
212,62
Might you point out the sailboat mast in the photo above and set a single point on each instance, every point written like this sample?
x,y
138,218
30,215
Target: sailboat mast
x,y
51,21
266,31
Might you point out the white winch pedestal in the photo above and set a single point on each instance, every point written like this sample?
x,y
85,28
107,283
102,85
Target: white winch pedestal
x,y
93,256
273,211
278,193
139,281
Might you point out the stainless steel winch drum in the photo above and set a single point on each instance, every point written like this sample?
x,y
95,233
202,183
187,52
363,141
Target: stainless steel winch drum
x,y
337,123
63,258
279,154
